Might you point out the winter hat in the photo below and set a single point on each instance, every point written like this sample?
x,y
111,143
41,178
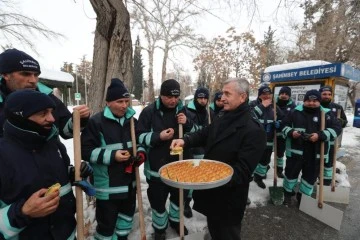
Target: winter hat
x,y
217,96
286,90
170,87
325,88
25,103
312,94
13,60
116,90
264,89
201,92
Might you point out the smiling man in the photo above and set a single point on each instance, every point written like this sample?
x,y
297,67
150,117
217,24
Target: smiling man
x,y
235,138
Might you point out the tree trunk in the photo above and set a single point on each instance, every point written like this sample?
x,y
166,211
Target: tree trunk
x,y
163,70
151,78
112,50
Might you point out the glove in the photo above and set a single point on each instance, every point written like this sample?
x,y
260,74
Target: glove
x,y
322,136
85,171
135,161
342,122
139,159
86,187
277,124
268,128
305,136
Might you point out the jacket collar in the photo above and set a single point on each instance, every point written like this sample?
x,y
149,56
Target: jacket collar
x,y
128,114
240,117
28,139
179,106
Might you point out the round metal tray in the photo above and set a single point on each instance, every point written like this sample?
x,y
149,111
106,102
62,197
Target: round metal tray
x,y
196,186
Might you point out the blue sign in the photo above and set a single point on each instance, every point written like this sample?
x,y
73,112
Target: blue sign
x,y
313,72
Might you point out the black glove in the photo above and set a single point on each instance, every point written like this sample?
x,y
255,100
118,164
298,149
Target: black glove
x,y
139,159
135,161
268,128
322,136
305,136
342,122
85,171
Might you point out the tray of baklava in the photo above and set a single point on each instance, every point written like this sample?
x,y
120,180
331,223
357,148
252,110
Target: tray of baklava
x,y
196,174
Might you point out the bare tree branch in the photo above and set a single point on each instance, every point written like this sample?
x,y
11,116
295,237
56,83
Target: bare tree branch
x,y
16,26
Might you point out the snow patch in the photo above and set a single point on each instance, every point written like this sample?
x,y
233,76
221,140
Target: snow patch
x,y
295,65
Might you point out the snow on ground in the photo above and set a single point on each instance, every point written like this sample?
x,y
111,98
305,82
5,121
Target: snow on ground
x,y
258,196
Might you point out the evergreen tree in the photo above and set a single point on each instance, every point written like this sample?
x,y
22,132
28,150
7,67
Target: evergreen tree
x,y
67,67
138,77
271,48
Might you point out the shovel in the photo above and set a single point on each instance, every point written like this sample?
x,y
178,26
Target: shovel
x,y
317,208
332,193
276,193
138,180
78,191
181,193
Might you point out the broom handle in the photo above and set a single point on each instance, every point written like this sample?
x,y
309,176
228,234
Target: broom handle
x,y
181,192
208,112
275,148
78,191
322,147
138,182
334,158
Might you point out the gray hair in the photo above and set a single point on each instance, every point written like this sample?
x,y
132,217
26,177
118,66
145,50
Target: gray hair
x,y
242,85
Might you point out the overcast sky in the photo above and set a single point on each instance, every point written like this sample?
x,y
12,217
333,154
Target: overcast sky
x,y
76,20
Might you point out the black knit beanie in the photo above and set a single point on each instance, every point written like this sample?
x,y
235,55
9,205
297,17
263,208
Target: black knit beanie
x,y
264,89
312,94
13,60
170,87
325,88
201,93
116,90
217,96
21,104
26,102
286,90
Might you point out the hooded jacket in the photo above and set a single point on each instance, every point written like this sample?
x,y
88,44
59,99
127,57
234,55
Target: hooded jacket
x,y
151,122
302,121
200,119
266,118
101,138
29,162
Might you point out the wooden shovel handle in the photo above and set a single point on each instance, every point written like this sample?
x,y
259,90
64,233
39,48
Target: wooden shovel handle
x,y
322,148
334,157
138,182
208,112
181,192
77,161
275,147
